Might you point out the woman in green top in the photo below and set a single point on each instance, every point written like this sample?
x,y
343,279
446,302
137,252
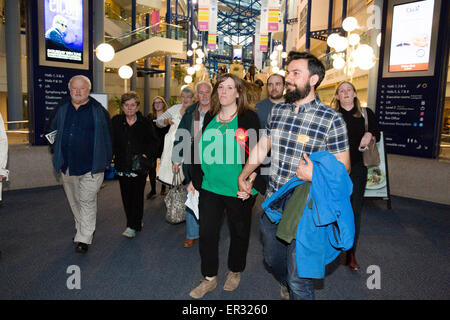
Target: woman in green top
x,y
230,129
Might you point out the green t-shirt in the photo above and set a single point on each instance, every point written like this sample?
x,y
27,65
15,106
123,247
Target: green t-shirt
x,y
221,160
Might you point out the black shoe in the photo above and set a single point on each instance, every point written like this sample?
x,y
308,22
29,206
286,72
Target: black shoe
x,y
81,247
151,194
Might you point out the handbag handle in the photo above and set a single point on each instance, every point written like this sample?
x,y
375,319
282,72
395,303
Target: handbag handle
x,y
176,179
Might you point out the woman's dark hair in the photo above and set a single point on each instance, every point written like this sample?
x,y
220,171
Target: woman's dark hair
x,y
315,66
241,101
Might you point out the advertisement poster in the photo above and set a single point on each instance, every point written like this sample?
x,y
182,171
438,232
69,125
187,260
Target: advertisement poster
x,y
377,177
63,26
411,36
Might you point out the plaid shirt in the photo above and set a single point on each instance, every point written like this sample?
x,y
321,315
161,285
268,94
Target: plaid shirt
x,y
316,127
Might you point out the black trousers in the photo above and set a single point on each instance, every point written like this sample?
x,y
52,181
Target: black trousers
x,y
358,175
212,208
132,191
152,175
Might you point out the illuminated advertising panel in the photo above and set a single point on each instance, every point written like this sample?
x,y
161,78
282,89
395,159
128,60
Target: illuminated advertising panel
x,y
411,34
63,33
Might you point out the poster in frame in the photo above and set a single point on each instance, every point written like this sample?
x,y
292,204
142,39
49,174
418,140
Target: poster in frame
x,y
63,27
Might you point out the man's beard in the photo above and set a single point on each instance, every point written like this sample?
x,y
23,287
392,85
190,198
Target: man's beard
x,y
292,96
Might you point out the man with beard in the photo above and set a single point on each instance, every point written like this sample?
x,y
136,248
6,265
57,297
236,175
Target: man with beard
x,y
295,129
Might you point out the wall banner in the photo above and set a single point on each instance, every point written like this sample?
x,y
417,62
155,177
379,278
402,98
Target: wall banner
x,y
203,15
273,15
212,29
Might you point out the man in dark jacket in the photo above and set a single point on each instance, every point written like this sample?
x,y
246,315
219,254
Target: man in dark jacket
x,y
81,152
191,124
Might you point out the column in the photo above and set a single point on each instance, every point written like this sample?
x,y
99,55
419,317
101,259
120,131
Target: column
x,y
13,59
99,37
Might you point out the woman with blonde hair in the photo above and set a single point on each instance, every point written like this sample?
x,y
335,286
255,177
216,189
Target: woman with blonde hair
x,y
224,143
347,103
171,118
159,106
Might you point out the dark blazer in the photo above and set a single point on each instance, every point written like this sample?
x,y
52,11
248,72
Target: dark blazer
x,y
248,120
128,141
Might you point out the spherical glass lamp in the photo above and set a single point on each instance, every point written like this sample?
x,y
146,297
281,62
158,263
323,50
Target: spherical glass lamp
x,y
190,70
353,39
104,52
338,63
188,79
341,44
332,39
349,24
125,72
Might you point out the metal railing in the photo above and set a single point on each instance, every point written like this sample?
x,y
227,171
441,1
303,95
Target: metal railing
x,y
22,122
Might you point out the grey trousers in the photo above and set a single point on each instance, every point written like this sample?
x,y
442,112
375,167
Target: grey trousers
x,y
81,192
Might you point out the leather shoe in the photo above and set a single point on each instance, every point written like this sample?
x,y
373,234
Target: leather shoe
x,y
189,242
81,247
351,262
151,194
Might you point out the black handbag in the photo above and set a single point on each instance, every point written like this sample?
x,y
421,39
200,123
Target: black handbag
x,y
140,164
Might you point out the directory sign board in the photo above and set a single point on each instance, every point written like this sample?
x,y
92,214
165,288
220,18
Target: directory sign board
x,y
412,75
52,64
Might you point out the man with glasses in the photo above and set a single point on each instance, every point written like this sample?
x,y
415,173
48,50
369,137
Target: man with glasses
x,y
54,37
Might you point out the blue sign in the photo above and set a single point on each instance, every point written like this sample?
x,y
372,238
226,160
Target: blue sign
x,y
59,47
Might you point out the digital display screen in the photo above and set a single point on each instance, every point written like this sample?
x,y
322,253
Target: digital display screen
x,y
63,27
410,43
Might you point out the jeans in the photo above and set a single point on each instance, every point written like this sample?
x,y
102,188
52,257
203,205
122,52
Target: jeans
x,y
192,228
281,258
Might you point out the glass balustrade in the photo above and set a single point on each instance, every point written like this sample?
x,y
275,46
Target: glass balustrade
x,y
161,30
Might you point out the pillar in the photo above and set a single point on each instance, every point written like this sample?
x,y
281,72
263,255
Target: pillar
x,y
13,59
98,38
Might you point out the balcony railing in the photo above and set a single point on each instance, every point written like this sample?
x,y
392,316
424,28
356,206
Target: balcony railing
x,y
161,29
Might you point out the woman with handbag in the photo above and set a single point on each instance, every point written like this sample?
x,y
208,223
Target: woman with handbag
x,y
134,146
159,106
347,103
172,118
229,130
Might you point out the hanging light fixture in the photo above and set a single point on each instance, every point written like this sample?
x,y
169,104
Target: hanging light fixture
x,y
350,53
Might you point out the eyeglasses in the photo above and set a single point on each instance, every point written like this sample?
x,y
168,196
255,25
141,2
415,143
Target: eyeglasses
x,y
158,102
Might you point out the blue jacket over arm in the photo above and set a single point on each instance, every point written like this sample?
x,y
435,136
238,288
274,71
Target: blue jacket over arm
x,y
327,225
